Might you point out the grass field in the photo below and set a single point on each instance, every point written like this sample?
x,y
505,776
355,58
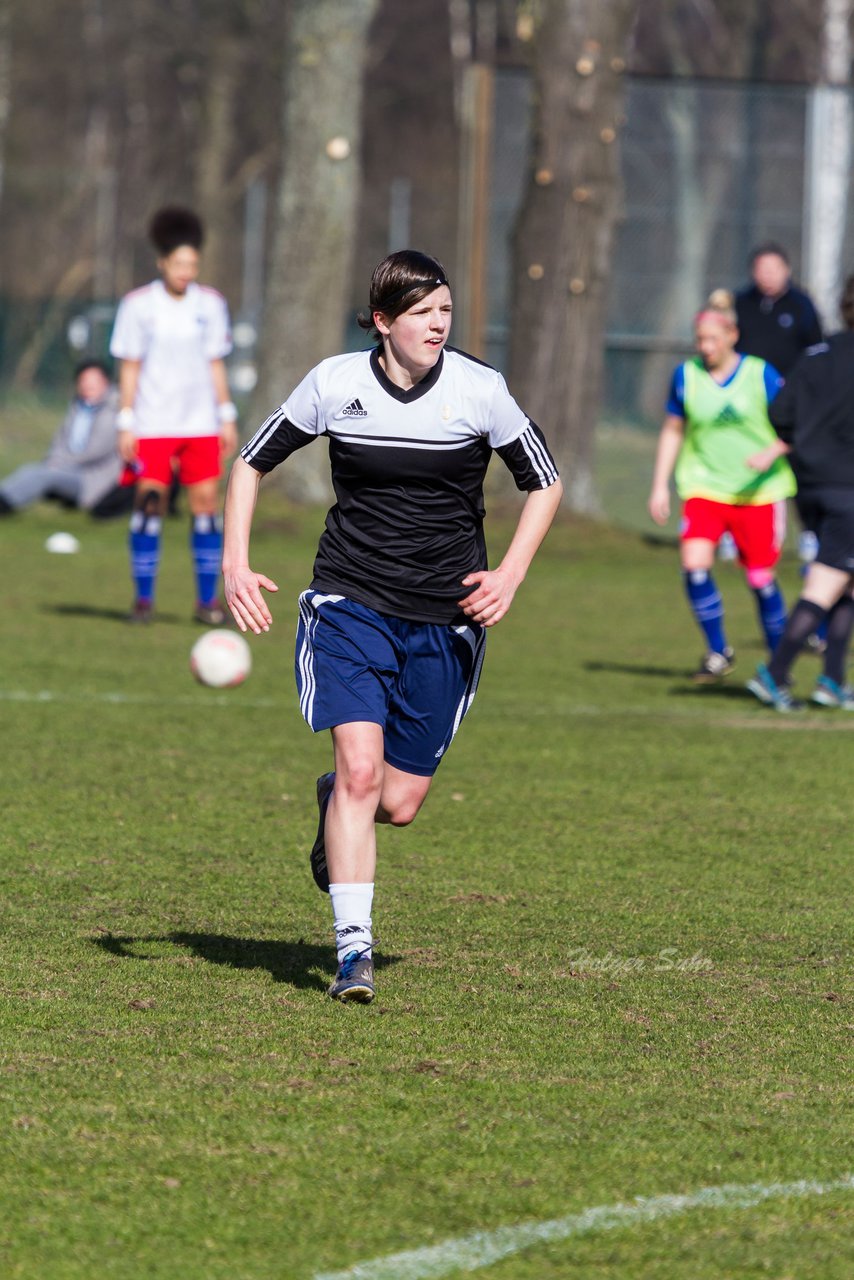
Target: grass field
x,y
614,959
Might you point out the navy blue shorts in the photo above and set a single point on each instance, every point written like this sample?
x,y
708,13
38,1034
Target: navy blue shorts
x,y
415,679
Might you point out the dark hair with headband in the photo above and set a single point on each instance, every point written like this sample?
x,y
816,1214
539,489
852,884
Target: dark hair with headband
x,y
399,282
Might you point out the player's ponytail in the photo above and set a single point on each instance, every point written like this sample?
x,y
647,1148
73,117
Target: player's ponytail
x,y
721,306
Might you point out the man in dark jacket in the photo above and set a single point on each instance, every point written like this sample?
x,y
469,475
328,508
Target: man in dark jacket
x,y
776,321
82,466
814,415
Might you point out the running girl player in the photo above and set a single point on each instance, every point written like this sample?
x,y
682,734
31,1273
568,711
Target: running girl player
x,y
391,632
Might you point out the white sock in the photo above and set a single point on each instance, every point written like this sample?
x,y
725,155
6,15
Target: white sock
x,y
351,909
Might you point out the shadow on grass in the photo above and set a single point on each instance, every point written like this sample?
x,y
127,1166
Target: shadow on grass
x,y
300,964
660,540
733,692
111,615
637,669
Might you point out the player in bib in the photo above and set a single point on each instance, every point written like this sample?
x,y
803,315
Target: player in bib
x,y
731,474
391,632
176,416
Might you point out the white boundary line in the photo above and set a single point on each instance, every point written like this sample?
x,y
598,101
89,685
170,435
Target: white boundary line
x,y
224,698
823,722
482,1248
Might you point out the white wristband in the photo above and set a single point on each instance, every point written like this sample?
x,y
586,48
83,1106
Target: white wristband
x,y
125,419
227,412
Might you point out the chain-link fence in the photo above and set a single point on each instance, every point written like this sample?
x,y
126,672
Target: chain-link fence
x,y
709,170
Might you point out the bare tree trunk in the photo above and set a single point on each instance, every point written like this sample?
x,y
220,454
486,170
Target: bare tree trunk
x,y
139,193
5,81
565,234
98,166
217,147
312,256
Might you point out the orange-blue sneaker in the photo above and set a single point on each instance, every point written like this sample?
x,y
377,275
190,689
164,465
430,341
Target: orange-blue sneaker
x,y
355,978
317,857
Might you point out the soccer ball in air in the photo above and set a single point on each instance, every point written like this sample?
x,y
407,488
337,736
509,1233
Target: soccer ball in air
x,y
220,659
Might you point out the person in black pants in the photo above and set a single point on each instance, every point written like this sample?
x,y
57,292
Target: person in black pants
x,y
778,322
814,415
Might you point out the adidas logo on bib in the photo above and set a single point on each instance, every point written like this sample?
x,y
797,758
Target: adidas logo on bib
x,y
354,410
728,415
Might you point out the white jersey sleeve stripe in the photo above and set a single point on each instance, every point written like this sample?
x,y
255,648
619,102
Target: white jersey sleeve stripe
x,y
262,435
540,459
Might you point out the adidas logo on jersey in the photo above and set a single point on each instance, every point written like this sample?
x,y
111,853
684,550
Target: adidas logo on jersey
x,y
354,410
727,415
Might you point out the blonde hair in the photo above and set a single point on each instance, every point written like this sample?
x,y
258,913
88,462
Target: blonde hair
x,y
721,305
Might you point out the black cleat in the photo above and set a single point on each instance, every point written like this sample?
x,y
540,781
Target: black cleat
x,y
317,857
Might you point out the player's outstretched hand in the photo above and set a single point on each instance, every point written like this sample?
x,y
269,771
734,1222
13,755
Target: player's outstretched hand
x,y
228,439
243,596
765,458
492,596
126,444
659,505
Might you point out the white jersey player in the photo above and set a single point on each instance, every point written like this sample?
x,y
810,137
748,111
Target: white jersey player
x,y
176,417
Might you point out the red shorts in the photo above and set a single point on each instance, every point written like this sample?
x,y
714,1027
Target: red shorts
x,y
757,532
191,458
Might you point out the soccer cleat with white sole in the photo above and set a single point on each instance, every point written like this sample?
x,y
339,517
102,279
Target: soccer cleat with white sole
x,y
764,687
354,980
714,666
827,693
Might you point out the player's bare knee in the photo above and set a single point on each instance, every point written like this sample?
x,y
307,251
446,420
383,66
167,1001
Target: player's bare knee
x,y
360,780
759,579
402,814
402,808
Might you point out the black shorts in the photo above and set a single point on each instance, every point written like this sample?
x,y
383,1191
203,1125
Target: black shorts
x,y
829,511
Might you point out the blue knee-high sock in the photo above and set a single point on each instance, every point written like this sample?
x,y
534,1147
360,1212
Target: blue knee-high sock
x,y
206,546
144,544
772,613
707,607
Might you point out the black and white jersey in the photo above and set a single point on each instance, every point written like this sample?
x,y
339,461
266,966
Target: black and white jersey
x,y
407,470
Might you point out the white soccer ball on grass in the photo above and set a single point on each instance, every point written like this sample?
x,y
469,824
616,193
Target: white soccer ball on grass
x,y
62,544
220,659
